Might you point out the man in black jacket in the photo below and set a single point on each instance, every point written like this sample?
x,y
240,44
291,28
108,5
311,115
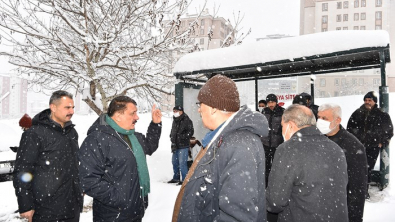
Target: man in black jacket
x,y
113,167
329,119
308,180
372,127
46,168
181,132
273,113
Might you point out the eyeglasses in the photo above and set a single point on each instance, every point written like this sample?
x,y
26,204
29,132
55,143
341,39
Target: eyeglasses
x,y
198,104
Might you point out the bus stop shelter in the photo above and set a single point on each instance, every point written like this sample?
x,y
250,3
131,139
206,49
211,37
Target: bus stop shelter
x,y
313,54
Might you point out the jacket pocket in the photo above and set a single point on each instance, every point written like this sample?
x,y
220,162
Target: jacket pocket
x,y
204,195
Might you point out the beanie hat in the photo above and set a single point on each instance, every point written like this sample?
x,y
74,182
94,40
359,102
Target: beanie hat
x,y
372,95
220,92
271,97
300,99
25,121
179,108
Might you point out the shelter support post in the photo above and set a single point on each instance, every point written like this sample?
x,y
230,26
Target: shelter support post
x,y
384,105
179,94
312,89
256,94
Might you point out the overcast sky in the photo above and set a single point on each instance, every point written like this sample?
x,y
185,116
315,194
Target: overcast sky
x,y
264,17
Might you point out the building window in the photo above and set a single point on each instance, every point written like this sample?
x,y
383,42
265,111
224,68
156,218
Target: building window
x,y
202,22
322,82
354,82
363,28
361,82
363,16
363,3
202,41
356,27
336,93
345,4
324,7
324,30
339,5
378,27
379,3
222,34
336,82
378,15
201,31
338,28
343,81
345,17
356,3
338,18
322,94
356,16
376,82
325,19
345,28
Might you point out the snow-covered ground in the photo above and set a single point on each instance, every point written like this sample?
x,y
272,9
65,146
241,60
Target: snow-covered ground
x,y
163,195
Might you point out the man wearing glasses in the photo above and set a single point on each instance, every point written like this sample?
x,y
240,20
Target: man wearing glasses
x,y
226,182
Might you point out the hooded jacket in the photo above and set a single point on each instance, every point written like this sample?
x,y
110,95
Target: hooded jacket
x,y
371,127
357,172
48,153
228,183
275,137
181,131
308,179
108,171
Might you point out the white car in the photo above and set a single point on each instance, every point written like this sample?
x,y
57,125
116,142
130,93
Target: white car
x,y
10,138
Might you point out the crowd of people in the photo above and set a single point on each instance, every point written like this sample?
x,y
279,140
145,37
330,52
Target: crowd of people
x,y
274,164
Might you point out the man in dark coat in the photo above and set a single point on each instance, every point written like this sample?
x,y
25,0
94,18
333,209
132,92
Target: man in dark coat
x,y
329,119
181,132
46,168
226,181
273,113
372,127
308,181
113,167
309,102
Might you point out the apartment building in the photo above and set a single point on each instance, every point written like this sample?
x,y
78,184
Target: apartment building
x,y
209,33
335,15
13,97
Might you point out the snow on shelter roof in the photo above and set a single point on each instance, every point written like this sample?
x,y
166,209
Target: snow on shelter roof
x,y
302,55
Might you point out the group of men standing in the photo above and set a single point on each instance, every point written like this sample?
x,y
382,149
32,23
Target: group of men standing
x,y
52,173
298,163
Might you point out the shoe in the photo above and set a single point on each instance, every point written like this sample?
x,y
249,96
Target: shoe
x,y
173,181
179,183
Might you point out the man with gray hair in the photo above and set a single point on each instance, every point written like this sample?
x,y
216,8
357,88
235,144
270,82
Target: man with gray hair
x,y
46,167
329,119
308,179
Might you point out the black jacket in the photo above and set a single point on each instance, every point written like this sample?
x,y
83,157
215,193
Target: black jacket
x,y
181,131
357,172
275,137
371,127
228,183
108,171
308,179
49,153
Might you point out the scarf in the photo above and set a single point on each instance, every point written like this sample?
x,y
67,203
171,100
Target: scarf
x,y
139,154
210,135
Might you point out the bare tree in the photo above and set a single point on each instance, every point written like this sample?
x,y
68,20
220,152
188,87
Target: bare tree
x,y
100,48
